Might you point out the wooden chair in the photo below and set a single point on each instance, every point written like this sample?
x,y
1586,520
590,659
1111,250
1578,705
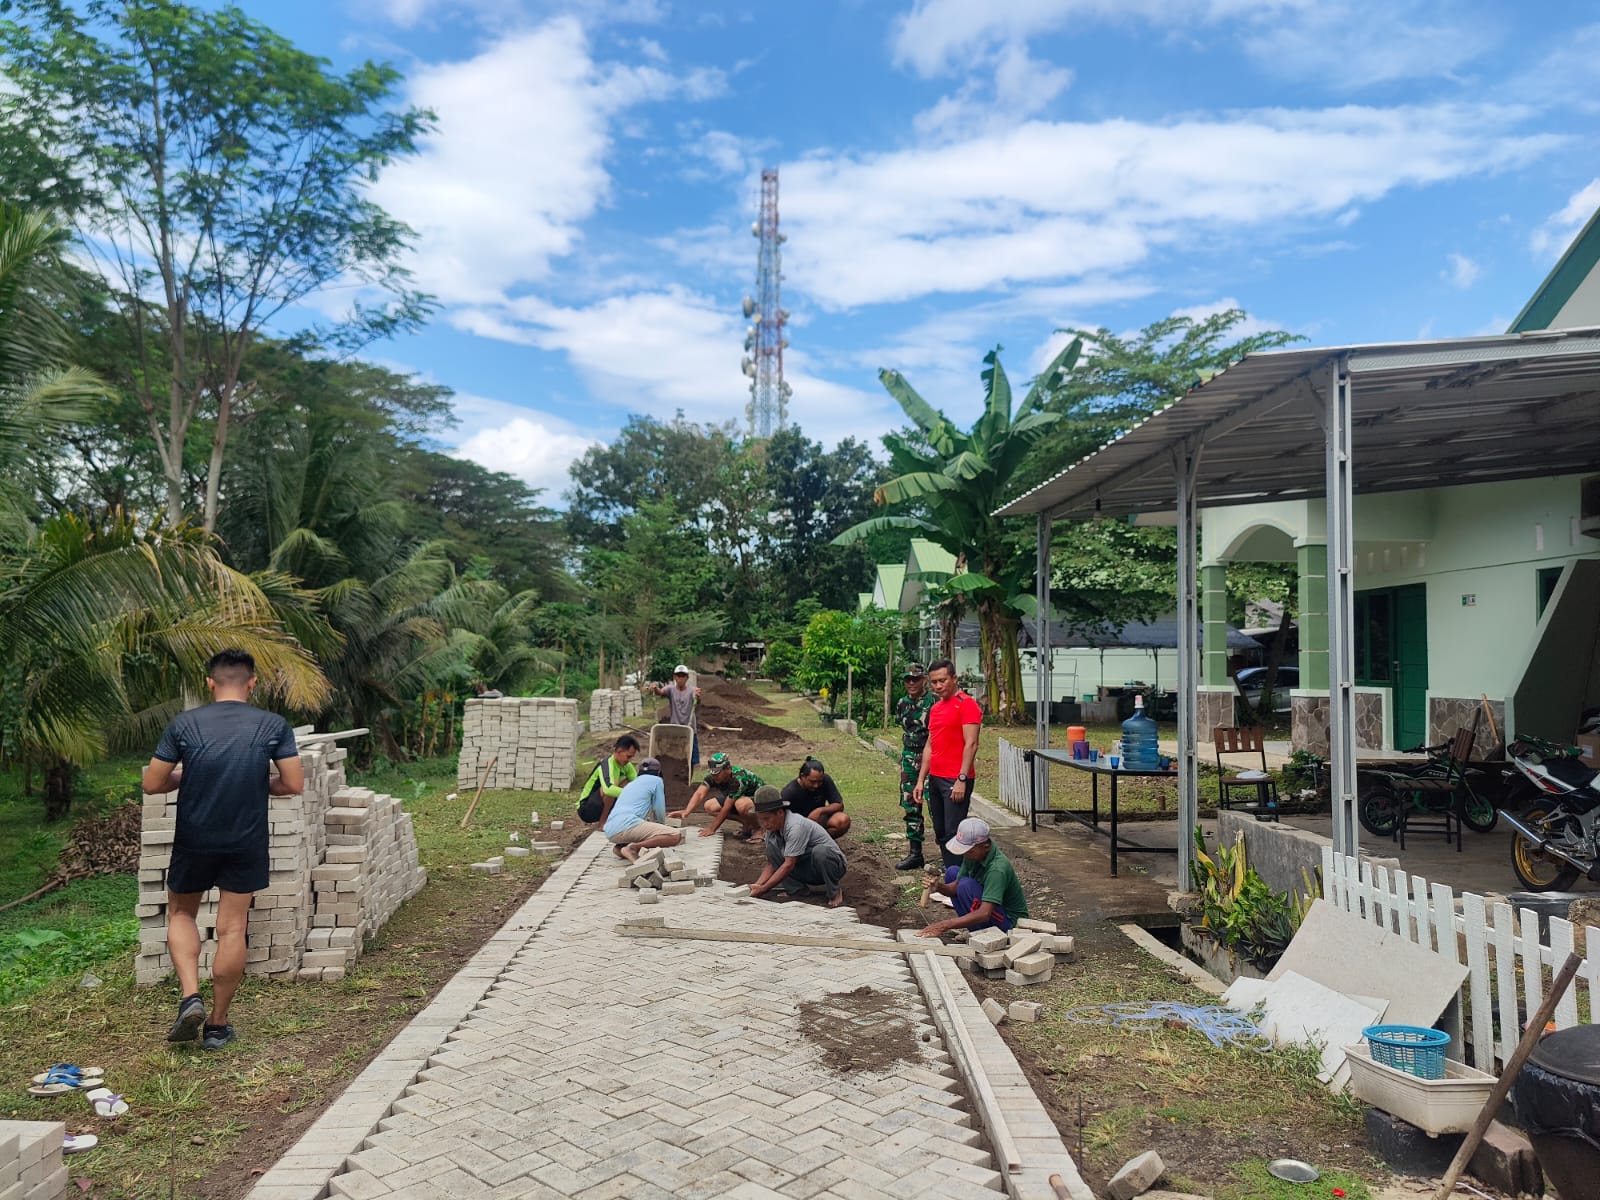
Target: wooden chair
x,y
1417,792
1236,740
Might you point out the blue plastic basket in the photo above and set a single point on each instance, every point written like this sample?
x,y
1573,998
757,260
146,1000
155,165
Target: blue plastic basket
x,y
1408,1048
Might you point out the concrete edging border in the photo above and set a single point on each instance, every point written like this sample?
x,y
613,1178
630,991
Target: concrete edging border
x,y
303,1173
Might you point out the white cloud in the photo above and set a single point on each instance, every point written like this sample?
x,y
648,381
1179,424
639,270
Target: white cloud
x,y
1059,201
534,446
1460,271
1552,238
1341,44
518,162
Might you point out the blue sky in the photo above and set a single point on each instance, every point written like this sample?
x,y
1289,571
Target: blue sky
x,y
955,174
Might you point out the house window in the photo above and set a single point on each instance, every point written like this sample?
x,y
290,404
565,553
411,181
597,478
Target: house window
x,y
1547,579
1374,636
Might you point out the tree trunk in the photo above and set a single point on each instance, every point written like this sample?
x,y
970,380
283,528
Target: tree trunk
x,y
1264,704
1002,663
58,779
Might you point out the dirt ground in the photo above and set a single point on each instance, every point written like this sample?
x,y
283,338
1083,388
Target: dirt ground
x,y
871,885
863,1030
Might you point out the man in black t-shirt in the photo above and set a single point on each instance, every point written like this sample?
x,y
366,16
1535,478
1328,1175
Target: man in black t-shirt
x,y
814,794
219,757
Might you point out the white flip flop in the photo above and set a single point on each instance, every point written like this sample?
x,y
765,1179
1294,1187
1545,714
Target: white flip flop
x,y
77,1143
106,1103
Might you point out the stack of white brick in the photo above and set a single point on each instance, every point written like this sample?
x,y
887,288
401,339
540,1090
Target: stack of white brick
x,y
532,740
293,923
1025,956
632,702
606,709
31,1166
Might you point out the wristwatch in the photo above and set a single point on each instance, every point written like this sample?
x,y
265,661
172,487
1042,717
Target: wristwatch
x,y
962,779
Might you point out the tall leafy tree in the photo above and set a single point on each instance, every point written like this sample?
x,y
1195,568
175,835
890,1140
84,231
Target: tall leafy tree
x,y
948,482
218,175
677,462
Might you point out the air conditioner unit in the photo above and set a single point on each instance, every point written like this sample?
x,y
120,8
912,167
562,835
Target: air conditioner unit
x,y
1589,506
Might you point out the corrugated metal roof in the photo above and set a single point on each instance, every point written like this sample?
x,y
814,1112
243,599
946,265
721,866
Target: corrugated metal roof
x,y
1426,414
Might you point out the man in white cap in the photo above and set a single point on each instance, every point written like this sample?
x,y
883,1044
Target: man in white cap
x,y
984,890
682,703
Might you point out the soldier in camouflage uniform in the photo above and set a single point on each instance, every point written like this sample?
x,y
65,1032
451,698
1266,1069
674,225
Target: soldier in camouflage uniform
x,y
726,792
911,714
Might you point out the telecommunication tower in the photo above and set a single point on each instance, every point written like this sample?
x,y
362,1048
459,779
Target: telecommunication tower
x,y
764,339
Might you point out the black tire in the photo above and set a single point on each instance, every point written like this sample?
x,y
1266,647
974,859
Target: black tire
x,y
1536,871
1473,814
1378,807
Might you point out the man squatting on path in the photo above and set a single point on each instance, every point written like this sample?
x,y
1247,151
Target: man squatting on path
x,y
800,854
683,703
220,756
605,783
814,794
984,889
638,819
728,791
911,714
945,781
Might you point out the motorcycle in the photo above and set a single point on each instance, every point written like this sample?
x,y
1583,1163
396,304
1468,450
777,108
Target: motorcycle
x,y
1382,794
1556,839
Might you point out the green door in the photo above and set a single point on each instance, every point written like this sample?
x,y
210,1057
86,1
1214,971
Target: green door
x,y
1410,694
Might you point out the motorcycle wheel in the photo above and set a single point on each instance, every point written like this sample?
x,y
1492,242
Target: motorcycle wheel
x,y
1479,814
1536,871
1378,807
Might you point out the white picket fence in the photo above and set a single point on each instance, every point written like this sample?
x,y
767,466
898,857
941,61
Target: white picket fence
x,y
1015,788
1505,959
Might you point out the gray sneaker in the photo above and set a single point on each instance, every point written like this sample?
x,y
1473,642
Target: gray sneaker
x,y
218,1036
191,1015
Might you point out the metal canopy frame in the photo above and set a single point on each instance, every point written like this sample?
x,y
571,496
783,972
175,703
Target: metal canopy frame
x,y
1332,423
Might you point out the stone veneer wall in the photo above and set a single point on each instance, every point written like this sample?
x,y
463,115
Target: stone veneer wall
x,y
1446,714
610,708
1309,722
343,860
532,740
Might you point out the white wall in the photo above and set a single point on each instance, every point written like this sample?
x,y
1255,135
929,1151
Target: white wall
x,y
1121,666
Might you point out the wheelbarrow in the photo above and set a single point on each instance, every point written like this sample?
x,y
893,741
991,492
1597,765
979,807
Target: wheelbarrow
x,y
671,741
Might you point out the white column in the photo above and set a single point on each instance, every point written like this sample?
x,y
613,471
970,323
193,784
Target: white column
x,y
1186,462
1339,431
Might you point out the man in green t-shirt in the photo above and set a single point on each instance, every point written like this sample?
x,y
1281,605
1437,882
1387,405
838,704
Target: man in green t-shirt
x,y
726,792
605,783
984,888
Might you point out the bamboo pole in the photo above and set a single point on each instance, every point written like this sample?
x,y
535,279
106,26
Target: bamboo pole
x,y
483,779
797,939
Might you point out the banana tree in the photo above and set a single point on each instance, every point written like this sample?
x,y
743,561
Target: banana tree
x,y
946,487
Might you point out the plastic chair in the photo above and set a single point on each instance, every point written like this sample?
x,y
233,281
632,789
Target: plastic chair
x,y
1234,740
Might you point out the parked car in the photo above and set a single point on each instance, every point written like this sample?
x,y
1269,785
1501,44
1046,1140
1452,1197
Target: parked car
x,y
1253,679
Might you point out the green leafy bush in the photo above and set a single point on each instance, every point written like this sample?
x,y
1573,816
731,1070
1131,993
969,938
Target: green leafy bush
x,y
837,642
782,661
1239,910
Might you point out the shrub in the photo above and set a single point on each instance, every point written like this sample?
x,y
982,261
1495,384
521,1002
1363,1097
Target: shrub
x,y
782,661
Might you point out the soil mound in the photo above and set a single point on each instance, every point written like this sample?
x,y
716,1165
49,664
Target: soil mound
x,y
863,1030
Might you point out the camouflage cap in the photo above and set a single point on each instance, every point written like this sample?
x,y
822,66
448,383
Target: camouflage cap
x,y
717,761
914,670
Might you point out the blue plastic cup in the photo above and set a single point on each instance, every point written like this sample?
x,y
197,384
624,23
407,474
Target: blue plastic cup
x,y
1116,761
1094,755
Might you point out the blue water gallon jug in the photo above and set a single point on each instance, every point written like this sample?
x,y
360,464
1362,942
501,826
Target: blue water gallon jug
x,y
1141,750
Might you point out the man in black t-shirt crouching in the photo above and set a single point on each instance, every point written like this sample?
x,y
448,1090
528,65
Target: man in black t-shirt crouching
x,y
219,756
814,794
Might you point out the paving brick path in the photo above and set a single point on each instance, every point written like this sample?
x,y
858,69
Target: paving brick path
x,y
602,1066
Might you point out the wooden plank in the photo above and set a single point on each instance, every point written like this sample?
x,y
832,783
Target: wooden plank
x,y
1532,965
1590,971
1560,947
1475,928
1505,972
1332,881
797,939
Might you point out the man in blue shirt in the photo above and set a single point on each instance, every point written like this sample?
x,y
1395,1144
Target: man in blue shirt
x,y
220,758
638,819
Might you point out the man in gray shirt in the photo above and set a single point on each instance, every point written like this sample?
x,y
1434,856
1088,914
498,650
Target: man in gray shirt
x,y
800,854
682,701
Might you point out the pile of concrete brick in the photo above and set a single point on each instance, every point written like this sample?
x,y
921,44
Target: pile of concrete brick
x,y
1027,955
31,1166
532,741
342,861
657,873
611,708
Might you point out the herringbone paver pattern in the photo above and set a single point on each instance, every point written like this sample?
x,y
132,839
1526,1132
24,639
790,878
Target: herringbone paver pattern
x,y
600,1066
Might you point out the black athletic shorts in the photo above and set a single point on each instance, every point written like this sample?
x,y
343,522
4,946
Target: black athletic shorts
x,y
242,871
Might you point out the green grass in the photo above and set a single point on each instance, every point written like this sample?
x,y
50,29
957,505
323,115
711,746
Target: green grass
x,y
1252,1182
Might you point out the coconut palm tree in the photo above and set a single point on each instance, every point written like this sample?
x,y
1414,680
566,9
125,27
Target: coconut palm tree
x,y
948,483
105,622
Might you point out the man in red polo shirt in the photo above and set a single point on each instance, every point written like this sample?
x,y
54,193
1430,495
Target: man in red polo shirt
x,y
945,780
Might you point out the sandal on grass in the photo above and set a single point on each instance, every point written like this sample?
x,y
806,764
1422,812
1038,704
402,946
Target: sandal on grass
x,y
77,1143
106,1103
68,1073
